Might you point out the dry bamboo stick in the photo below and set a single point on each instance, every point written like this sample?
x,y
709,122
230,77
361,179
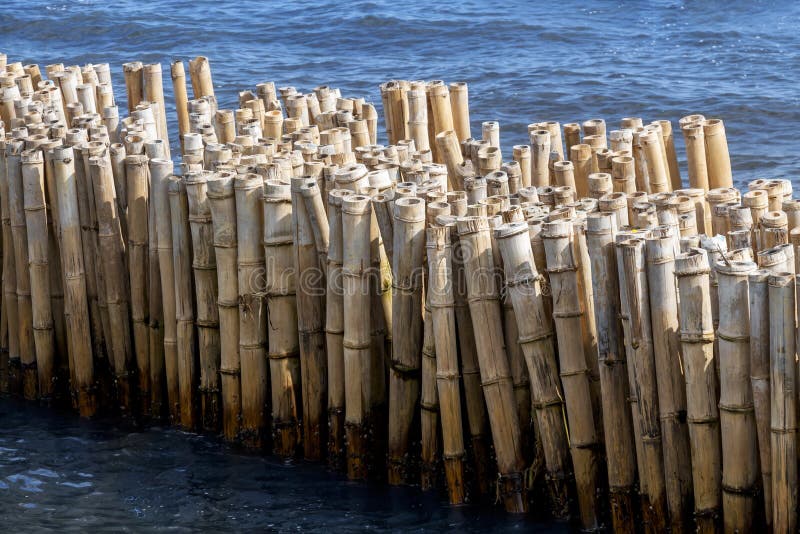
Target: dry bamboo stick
x,y
485,310
310,313
154,93
200,74
404,382
178,75
160,172
223,216
252,320
663,293
536,340
315,208
134,83
581,157
155,310
429,406
136,173
33,185
737,417
459,105
619,439
284,345
783,402
540,156
718,161
75,294
418,116
697,337
9,282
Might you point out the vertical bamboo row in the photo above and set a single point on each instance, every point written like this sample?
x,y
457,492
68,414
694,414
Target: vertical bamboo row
x,y
484,305
223,217
248,190
284,347
697,339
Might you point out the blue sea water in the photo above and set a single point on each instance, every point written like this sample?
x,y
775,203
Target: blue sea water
x,y
524,62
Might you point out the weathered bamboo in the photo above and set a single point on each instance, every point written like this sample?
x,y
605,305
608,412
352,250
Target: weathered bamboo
x,y
697,337
668,142
200,74
440,113
75,295
783,403
160,172
663,298
657,174
567,312
284,345
536,340
740,462
310,315
133,83
154,93
718,161
429,405
178,75
459,106
315,209
404,382
581,157
540,156
418,115
10,283
33,185
223,216
248,190
496,381
522,155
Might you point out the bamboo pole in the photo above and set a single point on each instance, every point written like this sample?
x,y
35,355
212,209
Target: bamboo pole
x,y
9,282
581,157
160,172
75,294
663,293
718,161
459,106
694,139
252,321
783,403
572,136
134,83
155,310
429,405
315,208
657,174
485,310
310,316
536,340
404,383
178,75
522,155
200,74
284,345
154,93
33,185
540,156
668,142
223,217
418,115
697,337
740,467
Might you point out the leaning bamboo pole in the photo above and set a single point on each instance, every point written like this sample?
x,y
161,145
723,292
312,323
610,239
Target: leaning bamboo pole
x,y
783,405
75,294
178,75
19,237
536,340
136,174
404,382
10,282
33,186
252,320
737,417
223,217
311,311
484,305
697,337
663,298
284,345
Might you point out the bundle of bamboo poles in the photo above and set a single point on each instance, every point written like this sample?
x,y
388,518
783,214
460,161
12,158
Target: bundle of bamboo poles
x,y
578,322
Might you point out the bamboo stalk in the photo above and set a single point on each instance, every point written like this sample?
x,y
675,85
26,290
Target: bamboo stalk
x,y
154,93
134,83
697,337
9,283
668,142
178,75
536,341
418,115
737,417
160,172
33,185
315,208
200,73
459,106
663,293
223,217
657,173
540,156
284,345
429,405
310,314
581,157
252,321
485,310
718,160
75,294
613,370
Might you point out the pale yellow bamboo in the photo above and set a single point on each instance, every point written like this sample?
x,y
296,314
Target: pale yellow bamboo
x,y
718,161
459,105
178,74
9,282
200,73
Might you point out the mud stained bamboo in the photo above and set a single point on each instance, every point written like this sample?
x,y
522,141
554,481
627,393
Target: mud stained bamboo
x,y
311,312
112,250
19,235
663,300
697,339
248,189
484,304
536,340
160,172
33,185
75,294
136,174
10,282
740,462
223,217
284,346
404,373
619,440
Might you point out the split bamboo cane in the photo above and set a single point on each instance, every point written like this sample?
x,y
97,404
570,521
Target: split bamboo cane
x,y
248,191
284,345
697,337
